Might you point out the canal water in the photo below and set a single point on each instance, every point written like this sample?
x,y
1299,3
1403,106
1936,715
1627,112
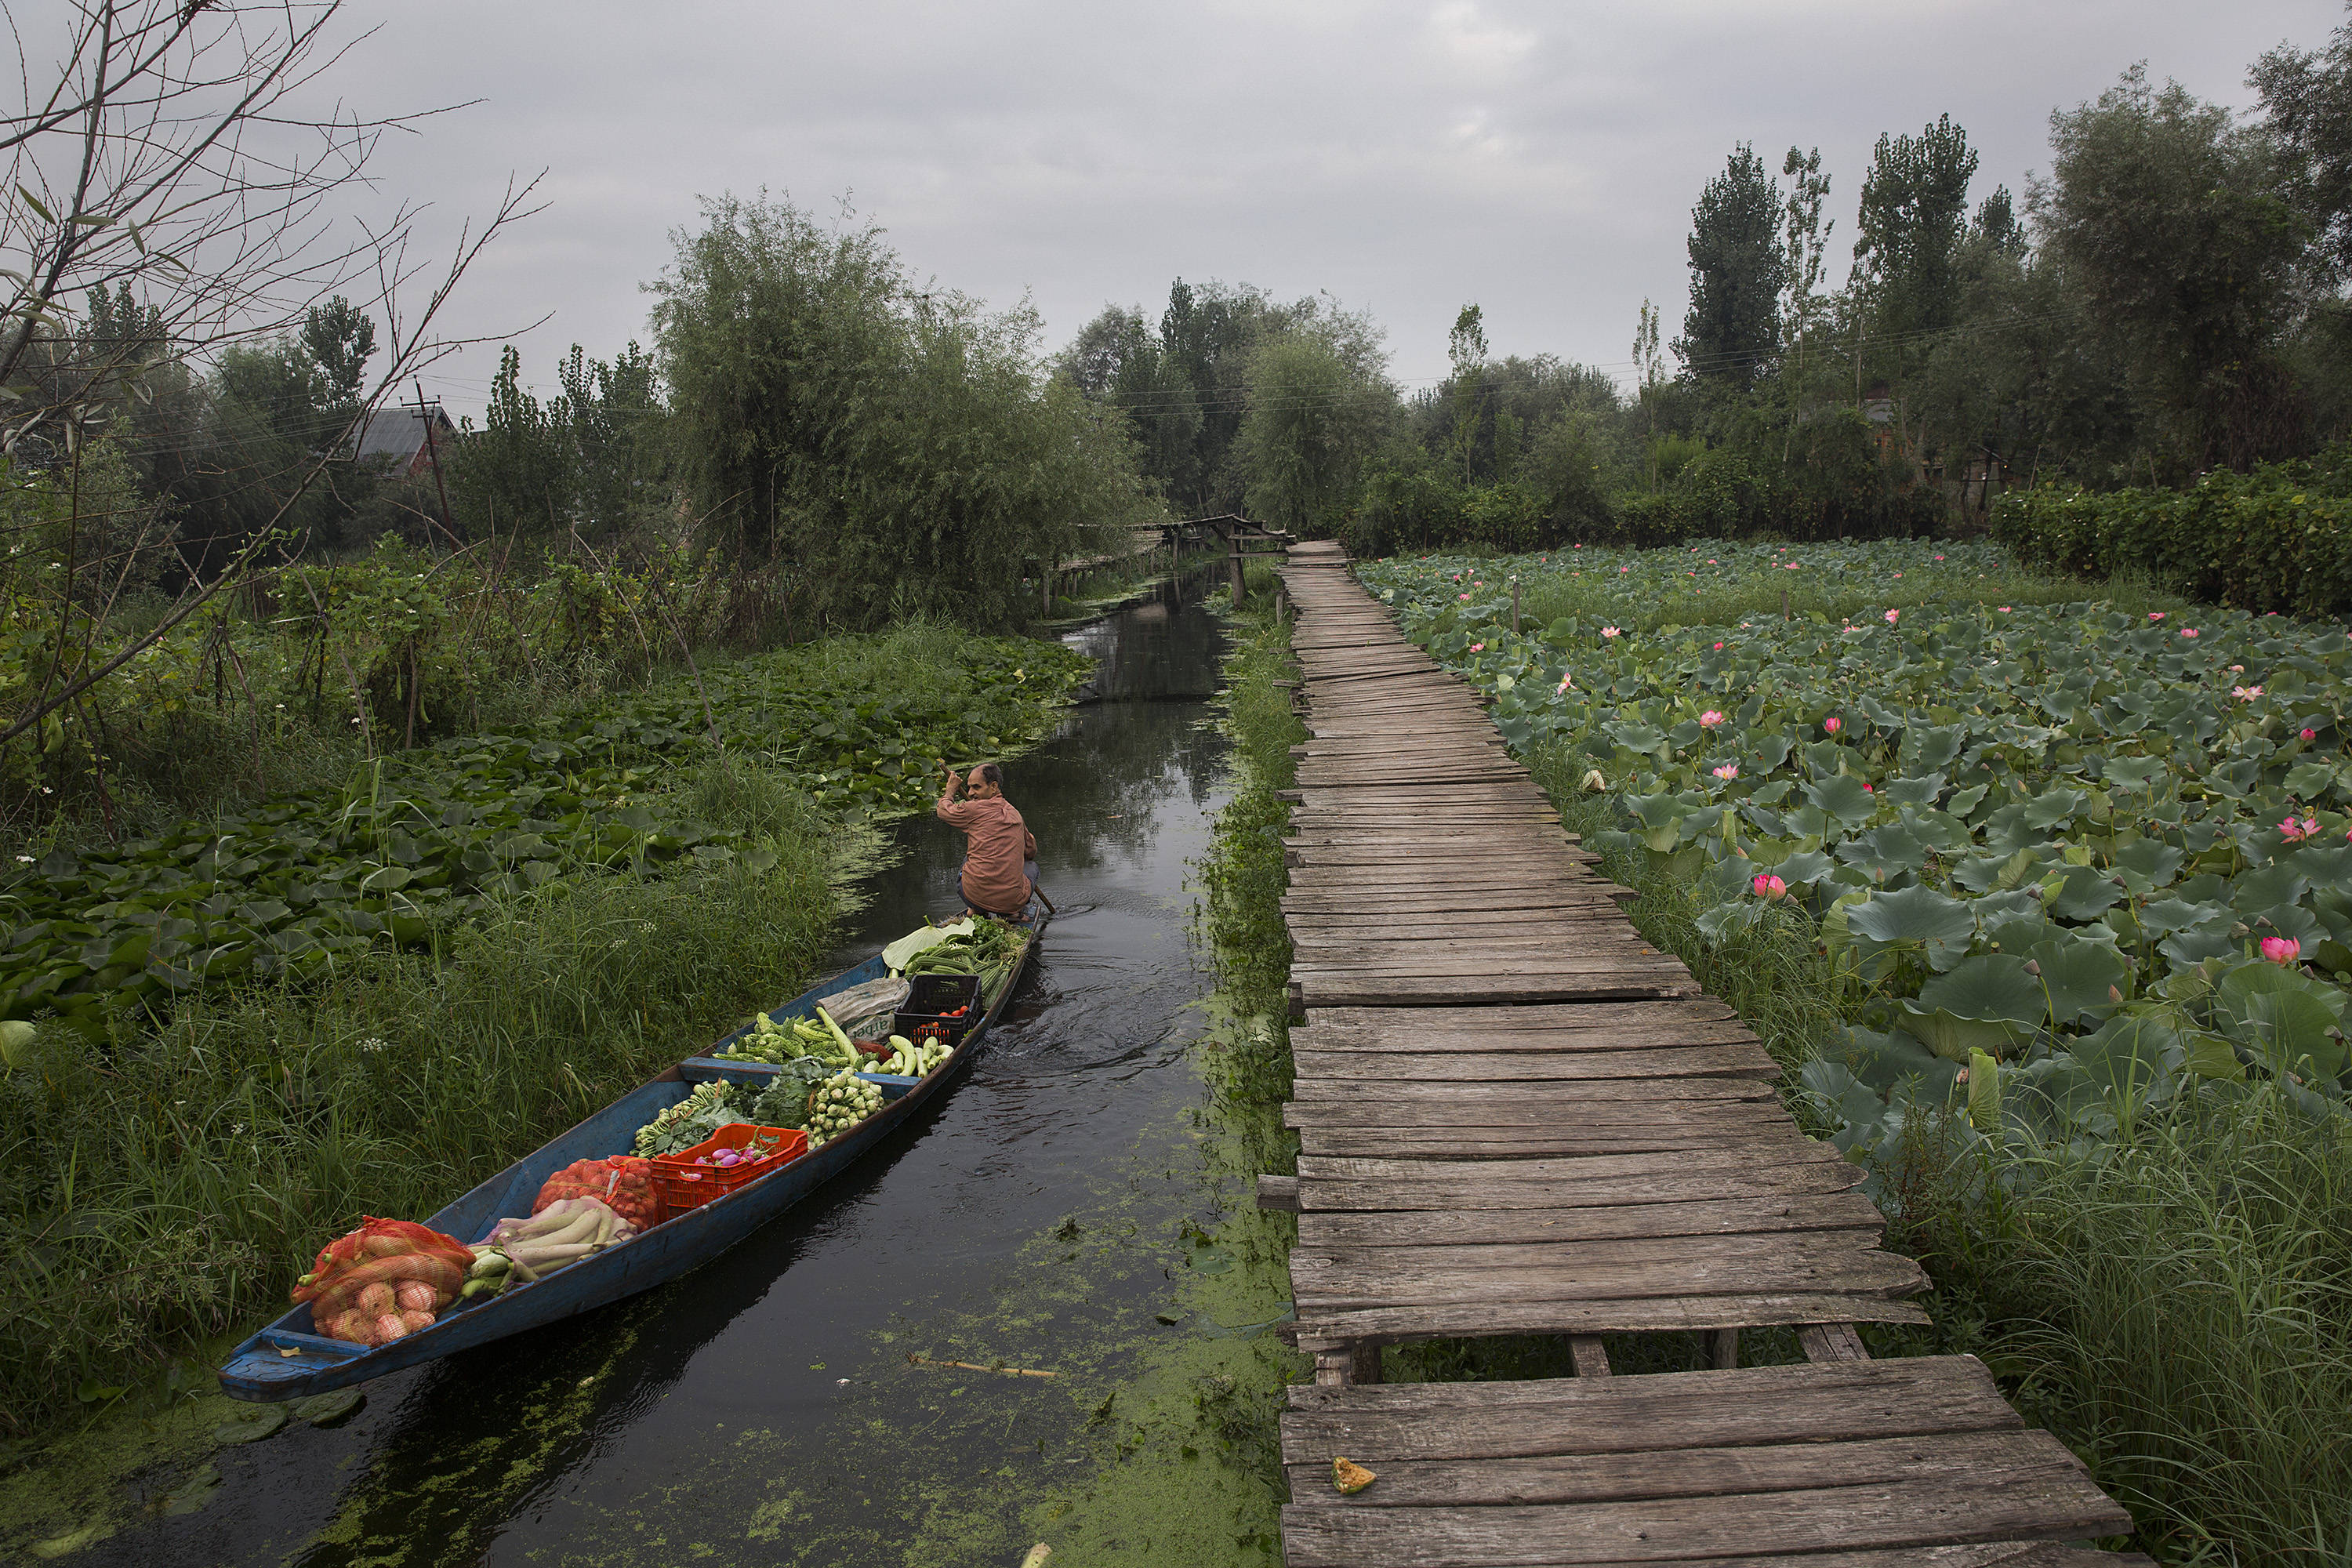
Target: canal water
x,y
788,1403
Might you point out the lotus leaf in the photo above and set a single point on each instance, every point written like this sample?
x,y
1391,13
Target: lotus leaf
x,y
1919,917
1843,796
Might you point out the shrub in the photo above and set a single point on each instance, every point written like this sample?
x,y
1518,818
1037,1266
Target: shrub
x,y
2269,540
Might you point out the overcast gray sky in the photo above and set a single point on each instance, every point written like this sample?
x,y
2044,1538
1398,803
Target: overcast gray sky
x,y
1540,160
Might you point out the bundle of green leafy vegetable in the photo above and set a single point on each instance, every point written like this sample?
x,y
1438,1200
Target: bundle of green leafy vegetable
x,y
784,1102
691,1121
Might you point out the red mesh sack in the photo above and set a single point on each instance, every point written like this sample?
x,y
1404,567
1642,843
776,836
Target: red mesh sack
x,y
380,1266
623,1183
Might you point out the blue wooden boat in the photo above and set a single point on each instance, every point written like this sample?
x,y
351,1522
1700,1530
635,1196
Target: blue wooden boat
x,y
289,1360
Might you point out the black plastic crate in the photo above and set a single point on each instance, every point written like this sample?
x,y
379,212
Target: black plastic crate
x,y
930,999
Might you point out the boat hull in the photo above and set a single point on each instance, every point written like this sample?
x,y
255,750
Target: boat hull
x,y
289,1360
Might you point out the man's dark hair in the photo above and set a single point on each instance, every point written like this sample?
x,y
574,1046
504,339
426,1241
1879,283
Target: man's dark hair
x,y
991,773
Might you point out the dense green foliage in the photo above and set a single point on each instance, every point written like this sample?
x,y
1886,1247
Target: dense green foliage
x,y
421,841
876,446
2279,538
2138,1218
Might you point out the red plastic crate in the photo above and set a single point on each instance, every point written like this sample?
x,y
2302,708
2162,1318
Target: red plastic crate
x,y
683,1185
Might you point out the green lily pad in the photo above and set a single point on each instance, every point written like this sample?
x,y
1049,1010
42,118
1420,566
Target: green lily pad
x,y
331,1408
194,1492
251,1424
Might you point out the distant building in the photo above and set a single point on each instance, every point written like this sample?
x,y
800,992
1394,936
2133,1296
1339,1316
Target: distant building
x,y
394,439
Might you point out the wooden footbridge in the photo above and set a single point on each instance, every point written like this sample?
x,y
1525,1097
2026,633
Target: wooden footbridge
x,y
1518,1117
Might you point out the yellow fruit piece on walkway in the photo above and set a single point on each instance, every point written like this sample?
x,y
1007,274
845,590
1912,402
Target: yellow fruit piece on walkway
x,y
1351,1478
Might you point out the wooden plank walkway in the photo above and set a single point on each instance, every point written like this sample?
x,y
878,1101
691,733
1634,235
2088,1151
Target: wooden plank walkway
x,y
1516,1117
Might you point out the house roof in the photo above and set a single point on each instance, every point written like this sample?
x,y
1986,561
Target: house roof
x,y
398,432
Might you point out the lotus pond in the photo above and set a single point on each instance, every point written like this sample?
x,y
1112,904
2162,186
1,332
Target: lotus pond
x,y
2078,857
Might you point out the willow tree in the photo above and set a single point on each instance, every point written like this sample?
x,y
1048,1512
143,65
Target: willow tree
x,y
1317,410
879,447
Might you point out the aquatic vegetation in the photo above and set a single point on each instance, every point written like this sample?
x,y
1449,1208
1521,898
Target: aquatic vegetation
x,y
2089,854
428,839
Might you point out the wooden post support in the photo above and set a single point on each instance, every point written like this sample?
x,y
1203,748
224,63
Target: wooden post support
x,y
1592,1357
1828,1342
1366,1367
1278,1192
1725,1345
1514,606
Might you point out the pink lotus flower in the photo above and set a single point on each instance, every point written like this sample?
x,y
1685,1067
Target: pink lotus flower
x,y
1710,719
2245,693
1939,558
1718,647
1728,770
2189,631
2308,735
1610,632
1832,724
1898,574
1788,566
1478,647
1891,614
1576,547
2004,609
1767,886
2237,669
2282,950
1566,684
1460,596
1623,570
2296,832
1711,560
1869,789
2156,615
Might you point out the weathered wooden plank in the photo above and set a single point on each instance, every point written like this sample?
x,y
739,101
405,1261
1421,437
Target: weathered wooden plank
x,y
1738,1148
1631,1315
1346,989
1420,1142
1739,1059
1572,1478
1650,1186
1793,1404
1845,1210
2029,1500
1586,943
1523,1103
1322,1285
1325,1264
1592,1026
1727,1116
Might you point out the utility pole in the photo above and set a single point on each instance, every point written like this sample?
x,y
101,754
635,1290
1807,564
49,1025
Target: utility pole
x,y
432,451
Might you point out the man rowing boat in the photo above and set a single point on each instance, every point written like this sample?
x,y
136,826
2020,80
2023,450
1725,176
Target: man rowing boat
x,y
1000,863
